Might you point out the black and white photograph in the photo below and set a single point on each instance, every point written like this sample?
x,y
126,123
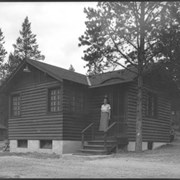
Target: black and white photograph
x,y
89,89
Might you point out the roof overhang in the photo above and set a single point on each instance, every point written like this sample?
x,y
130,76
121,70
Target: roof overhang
x,y
20,66
43,70
111,83
6,82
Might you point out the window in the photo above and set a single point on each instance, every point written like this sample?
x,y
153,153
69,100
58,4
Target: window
x,y
150,145
22,143
54,100
46,144
151,106
15,105
77,101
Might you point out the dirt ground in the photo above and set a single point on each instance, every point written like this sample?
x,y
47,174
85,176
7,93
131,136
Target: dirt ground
x,y
160,163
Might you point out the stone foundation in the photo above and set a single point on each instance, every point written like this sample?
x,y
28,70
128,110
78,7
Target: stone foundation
x,y
58,147
131,145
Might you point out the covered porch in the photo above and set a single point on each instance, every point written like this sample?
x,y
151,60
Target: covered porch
x,y
115,136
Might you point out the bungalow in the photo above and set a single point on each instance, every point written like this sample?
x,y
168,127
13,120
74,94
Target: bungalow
x,y
3,117
54,110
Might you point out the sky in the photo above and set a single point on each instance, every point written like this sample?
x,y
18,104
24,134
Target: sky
x,y
58,25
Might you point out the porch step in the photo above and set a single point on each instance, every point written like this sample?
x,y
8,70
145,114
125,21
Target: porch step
x,y
94,151
101,142
101,137
98,147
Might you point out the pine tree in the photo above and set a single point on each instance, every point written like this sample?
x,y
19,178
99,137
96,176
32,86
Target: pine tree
x,y
12,63
26,47
122,34
71,68
2,54
169,43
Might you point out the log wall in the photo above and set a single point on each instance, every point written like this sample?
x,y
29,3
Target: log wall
x,y
154,129
75,117
3,116
35,122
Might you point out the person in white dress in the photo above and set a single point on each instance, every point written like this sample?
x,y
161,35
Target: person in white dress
x,y
105,115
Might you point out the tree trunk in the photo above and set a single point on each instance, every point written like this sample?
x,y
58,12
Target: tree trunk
x,y
138,146
141,58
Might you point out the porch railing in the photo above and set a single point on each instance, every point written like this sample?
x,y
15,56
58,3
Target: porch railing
x,y
116,130
106,133
85,131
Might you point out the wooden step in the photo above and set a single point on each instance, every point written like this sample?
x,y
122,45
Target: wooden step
x,y
94,151
95,146
101,137
101,142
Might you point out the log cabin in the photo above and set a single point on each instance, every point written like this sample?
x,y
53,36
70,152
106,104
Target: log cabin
x,y
3,116
54,110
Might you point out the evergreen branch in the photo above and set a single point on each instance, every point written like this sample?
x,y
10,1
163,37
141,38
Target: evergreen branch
x,y
150,46
126,57
153,19
122,36
150,58
125,67
137,19
152,9
136,11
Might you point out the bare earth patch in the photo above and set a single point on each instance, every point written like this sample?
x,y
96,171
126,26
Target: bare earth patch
x,y
160,163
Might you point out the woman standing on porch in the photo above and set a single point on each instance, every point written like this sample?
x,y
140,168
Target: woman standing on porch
x,y
105,115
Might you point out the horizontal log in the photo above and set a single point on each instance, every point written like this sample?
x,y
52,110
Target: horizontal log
x,y
29,126
37,86
43,118
29,92
34,133
34,91
34,102
34,122
37,98
39,131
30,104
36,137
41,108
41,97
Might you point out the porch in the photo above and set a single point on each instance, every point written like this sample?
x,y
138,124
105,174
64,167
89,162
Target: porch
x,y
115,136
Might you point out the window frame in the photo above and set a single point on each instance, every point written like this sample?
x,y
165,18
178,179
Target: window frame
x,y
21,143
45,144
151,105
77,102
11,105
49,99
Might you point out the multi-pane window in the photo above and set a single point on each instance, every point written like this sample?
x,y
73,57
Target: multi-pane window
x,y
151,105
15,105
54,100
77,102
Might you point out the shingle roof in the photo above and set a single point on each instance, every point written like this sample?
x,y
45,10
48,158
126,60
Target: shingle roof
x,y
59,73
119,76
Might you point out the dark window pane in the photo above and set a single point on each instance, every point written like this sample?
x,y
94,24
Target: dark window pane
x,y
22,143
54,100
15,105
151,105
46,144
